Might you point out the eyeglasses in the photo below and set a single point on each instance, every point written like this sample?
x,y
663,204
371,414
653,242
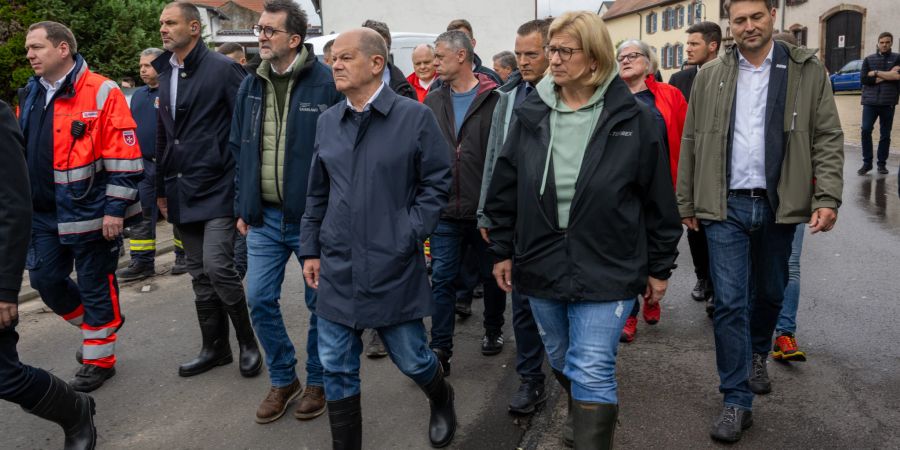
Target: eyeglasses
x,y
266,30
630,57
565,53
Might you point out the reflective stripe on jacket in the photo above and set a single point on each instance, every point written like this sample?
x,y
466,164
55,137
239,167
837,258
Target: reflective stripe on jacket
x,y
95,175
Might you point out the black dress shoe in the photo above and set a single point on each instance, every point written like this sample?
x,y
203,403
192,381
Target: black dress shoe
x,y
90,377
702,290
731,423
530,396
759,377
492,343
464,308
864,170
710,307
883,170
443,357
374,346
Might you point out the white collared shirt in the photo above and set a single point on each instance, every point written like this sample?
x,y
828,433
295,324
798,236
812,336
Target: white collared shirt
x,y
176,68
748,149
369,101
290,66
52,88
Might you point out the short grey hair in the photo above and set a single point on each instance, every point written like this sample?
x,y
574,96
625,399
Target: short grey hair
x,y
506,59
645,50
152,51
457,40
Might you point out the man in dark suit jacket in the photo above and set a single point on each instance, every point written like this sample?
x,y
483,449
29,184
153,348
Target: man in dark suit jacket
x,y
195,182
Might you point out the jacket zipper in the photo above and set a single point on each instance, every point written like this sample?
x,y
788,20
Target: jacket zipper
x,y
458,193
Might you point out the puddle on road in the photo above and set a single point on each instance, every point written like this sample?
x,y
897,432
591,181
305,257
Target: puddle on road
x,y
878,197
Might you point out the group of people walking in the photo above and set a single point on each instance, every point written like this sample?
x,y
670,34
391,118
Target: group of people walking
x,y
566,186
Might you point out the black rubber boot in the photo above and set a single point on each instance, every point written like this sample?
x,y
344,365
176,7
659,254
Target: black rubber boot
x,y
250,359
73,411
595,425
216,350
568,435
345,417
442,425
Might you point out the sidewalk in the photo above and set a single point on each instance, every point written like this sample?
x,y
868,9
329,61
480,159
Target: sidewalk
x,y
164,244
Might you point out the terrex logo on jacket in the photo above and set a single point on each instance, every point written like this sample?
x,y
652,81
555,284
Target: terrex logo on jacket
x,y
96,174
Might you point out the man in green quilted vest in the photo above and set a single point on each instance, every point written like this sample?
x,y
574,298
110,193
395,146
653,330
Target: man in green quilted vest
x,y
272,137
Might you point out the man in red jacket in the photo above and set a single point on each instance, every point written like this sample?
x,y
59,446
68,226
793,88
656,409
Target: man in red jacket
x,y
423,75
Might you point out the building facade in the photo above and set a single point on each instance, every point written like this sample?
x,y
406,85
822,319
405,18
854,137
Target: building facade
x,y
662,24
495,22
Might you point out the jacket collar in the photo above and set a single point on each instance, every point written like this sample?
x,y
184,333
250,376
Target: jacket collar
x,y
617,100
382,103
513,82
191,61
299,69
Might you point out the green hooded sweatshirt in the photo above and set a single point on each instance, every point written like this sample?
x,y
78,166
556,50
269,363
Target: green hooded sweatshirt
x,y
570,133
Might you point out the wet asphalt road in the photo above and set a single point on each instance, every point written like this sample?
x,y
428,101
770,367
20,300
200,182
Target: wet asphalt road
x,y
846,396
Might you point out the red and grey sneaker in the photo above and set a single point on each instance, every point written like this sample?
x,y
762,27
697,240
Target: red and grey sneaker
x,y
630,330
651,312
785,349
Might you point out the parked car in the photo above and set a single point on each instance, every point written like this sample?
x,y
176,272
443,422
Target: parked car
x,y
402,45
847,79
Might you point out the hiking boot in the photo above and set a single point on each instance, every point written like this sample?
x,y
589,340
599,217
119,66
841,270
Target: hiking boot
x,y
528,398
136,270
651,312
90,377
883,170
276,402
731,423
492,343
444,358
630,330
702,290
180,265
785,349
759,378
312,403
864,169
375,348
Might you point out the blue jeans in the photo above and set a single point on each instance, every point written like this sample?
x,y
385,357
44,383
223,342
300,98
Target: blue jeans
x,y
340,347
787,320
582,340
885,116
269,248
447,243
748,255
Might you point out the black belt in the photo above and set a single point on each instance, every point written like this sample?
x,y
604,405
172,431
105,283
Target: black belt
x,y
748,192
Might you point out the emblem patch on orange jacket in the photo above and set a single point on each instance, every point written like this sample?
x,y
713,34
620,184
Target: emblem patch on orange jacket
x,y
129,137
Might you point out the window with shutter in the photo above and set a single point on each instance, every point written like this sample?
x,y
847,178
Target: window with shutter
x,y
679,50
690,18
665,57
654,23
680,12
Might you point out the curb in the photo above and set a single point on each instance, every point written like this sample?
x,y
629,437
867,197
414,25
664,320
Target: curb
x,y
28,294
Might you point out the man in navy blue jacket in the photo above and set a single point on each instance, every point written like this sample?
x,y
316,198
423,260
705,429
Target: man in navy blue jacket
x,y
272,136
144,109
195,182
378,181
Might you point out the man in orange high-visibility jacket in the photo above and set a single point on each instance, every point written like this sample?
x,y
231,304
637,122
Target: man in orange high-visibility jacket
x,y
84,163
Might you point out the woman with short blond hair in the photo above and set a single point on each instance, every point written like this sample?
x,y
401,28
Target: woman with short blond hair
x,y
581,200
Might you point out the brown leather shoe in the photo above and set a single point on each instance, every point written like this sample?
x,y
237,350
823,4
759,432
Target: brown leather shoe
x,y
276,402
312,403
